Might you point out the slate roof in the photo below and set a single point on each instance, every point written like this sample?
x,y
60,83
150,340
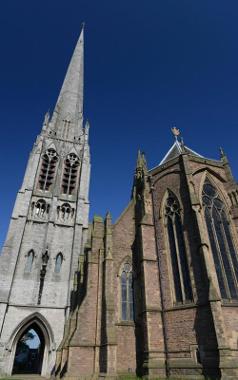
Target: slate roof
x,y
176,149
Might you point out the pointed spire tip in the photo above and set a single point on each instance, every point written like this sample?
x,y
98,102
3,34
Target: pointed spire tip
x,y
69,106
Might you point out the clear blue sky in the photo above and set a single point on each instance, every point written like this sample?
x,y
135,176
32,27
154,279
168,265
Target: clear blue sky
x,y
148,65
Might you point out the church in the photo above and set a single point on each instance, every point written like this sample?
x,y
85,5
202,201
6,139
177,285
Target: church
x,y
153,295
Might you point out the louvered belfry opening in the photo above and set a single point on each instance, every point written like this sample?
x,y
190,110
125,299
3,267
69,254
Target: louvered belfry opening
x,y
70,174
48,167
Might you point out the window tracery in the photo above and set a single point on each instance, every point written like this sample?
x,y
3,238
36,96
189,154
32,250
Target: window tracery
x,y
40,208
65,212
181,278
222,245
70,174
48,167
127,307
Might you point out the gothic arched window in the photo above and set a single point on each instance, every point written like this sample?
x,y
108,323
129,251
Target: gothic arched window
x,y
182,283
40,207
29,261
127,312
47,172
65,211
222,245
58,262
70,174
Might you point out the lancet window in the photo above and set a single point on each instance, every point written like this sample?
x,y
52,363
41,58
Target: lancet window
x,y
48,168
127,312
29,261
221,241
181,278
58,262
70,174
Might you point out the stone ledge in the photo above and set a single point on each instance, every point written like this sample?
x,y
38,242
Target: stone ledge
x,y
125,323
183,363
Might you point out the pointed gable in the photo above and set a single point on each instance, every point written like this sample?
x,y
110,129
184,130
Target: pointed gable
x,y
176,149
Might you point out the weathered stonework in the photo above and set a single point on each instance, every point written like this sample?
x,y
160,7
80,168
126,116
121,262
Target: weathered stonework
x,y
193,340
85,310
42,230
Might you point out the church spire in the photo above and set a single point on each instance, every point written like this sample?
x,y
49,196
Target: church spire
x,y
67,117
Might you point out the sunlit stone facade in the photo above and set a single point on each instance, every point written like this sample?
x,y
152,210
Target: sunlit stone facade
x,y
154,294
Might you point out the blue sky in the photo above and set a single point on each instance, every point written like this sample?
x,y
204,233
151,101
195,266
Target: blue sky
x,y
149,65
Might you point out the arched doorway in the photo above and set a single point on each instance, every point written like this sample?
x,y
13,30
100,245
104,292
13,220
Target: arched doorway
x,y
29,351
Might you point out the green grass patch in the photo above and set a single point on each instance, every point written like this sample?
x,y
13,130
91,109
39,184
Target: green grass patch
x,y
9,378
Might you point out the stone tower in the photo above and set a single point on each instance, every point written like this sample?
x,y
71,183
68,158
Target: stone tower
x,y
48,228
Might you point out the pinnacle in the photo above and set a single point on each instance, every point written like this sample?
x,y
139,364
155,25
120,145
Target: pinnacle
x,y
141,160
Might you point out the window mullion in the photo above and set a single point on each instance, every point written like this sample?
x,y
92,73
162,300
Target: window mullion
x,y
220,258
127,298
228,254
69,179
46,174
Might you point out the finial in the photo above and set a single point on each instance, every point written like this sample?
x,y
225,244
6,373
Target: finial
x,y
222,153
82,27
176,132
143,158
138,164
108,215
141,164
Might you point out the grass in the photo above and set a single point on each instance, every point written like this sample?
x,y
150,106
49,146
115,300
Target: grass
x,y
157,378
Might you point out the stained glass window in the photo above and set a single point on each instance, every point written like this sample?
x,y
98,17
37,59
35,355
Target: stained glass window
x,y
222,245
127,307
181,278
